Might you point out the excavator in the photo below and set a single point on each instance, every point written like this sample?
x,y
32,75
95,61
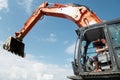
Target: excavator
x,y
90,29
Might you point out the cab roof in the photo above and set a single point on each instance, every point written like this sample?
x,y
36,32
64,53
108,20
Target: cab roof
x,y
96,31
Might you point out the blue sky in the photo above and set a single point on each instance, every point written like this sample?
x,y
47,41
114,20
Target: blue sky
x,y
49,45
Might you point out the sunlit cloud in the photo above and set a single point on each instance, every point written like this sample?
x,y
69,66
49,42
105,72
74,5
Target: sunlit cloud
x,y
70,49
27,4
65,42
12,67
4,5
51,38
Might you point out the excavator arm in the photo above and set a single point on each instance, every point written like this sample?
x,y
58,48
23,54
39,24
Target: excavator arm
x,y
79,14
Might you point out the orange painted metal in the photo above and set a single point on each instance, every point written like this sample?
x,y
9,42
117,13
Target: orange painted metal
x,y
81,15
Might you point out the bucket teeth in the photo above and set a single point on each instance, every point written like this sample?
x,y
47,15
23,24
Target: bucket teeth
x,y
14,46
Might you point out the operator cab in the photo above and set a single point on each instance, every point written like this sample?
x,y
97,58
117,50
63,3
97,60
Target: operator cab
x,y
91,40
83,65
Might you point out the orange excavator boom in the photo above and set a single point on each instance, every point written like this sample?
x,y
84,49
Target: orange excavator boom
x,y
79,14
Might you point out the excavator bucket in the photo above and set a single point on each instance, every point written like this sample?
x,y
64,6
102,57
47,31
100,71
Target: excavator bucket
x,y
14,46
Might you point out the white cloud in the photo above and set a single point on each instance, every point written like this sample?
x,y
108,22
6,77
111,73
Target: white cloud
x,y
70,49
3,5
27,4
13,67
65,42
50,38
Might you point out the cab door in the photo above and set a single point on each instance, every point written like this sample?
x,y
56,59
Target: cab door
x,y
114,39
